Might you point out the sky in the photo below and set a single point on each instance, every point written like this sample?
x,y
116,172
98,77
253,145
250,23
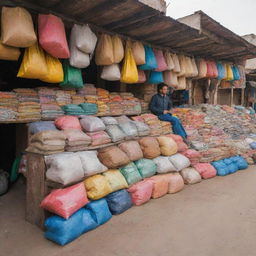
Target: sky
x,y
237,15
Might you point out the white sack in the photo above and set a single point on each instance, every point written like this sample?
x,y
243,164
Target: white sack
x,y
111,73
190,176
164,165
109,120
92,124
179,161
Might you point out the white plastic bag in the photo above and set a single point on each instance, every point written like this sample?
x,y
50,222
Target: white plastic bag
x,y
109,120
179,161
92,124
78,58
111,73
169,61
164,165
115,133
85,39
91,165
190,176
64,168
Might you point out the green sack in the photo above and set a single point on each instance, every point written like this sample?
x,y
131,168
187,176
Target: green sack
x,y
72,77
131,173
15,168
146,167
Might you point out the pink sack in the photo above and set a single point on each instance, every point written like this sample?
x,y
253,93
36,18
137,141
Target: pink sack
x,y
193,155
64,202
52,36
99,138
67,122
161,63
176,182
142,76
215,72
209,73
161,185
141,192
207,171
179,141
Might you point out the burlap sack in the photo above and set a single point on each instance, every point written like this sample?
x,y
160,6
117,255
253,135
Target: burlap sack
x,y
17,27
104,51
150,147
167,145
132,150
48,135
8,52
138,53
118,49
113,157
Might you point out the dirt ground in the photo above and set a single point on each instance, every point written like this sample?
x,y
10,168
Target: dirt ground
x,y
216,217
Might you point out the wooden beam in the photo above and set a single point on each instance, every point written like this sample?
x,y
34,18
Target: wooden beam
x,y
242,96
232,97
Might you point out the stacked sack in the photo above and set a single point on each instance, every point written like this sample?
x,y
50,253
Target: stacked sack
x,y
154,124
73,110
103,101
28,106
89,108
128,127
63,97
8,106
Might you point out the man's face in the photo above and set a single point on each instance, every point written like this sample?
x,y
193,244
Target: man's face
x,y
164,90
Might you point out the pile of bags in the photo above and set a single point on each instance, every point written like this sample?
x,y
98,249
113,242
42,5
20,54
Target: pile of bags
x,y
8,106
154,124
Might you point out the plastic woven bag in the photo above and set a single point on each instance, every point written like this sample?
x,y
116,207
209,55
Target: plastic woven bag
x,y
167,145
138,53
142,77
150,147
97,186
141,192
129,73
190,176
161,185
150,59
164,165
78,59
119,201
176,61
40,126
146,167
236,73
170,78
179,161
100,211
104,54
90,163
161,63
52,36
109,120
131,173
206,170
176,182
155,77
55,71
130,129
182,61
92,124
72,77
17,27
63,231
115,133
132,150
118,49
115,179
169,61
85,39
182,83
221,71
230,75
33,65
202,68
9,52
64,202
67,122
111,73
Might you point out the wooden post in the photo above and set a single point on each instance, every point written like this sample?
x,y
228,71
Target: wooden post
x,y
36,189
215,94
22,138
242,97
232,96
207,92
190,93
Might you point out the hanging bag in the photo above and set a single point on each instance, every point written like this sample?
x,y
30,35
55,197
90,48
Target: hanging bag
x,y
111,73
169,61
52,36
33,65
182,62
202,68
176,63
78,59
230,75
85,39
150,58
236,73
104,55
155,77
129,72
118,49
138,53
142,77
170,79
182,83
221,71
161,64
9,52
72,77
55,71
17,27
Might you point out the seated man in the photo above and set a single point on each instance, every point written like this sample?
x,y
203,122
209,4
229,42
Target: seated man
x,y
161,105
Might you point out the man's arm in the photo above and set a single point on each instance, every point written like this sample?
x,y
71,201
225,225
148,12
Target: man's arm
x,y
170,105
153,107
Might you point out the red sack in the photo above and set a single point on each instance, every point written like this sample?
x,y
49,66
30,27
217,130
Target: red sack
x,y
161,63
68,122
64,202
52,36
193,155
207,171
141,192
142,76
209,73
161,185
215,69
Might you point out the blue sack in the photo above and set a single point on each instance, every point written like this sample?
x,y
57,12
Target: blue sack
x,y
236,73
221,71
227,161
155,77
119,201
40,126
233,168
253,145
63,231
221,168
150,58
100,211
241,163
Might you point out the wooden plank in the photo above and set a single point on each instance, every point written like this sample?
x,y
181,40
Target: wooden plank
x,y
232,97
22,138
215,99
242,96
36,189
